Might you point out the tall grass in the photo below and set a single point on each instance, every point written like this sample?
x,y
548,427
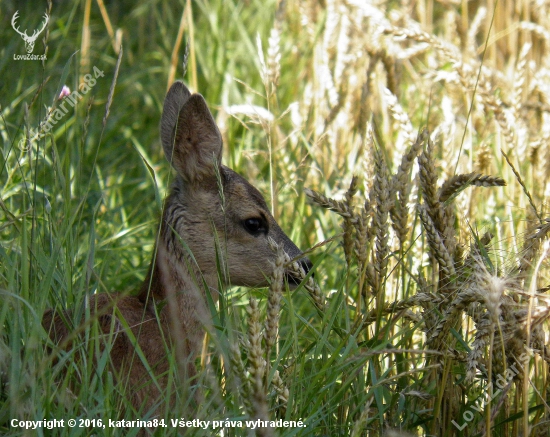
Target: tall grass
x,y
419,132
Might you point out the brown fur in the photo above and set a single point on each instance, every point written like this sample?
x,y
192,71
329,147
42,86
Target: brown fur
x,y
197,222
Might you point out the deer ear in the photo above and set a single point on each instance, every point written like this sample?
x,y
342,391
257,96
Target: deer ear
x,y
191,140
176,97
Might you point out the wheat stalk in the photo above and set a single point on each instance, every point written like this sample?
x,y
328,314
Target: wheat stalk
x,y
337,206
438,249
282,391
537,29
274,297
419,299
256,368
492,103
462,301
362,243
404,125
520,77
360,425
428,184
348,226
400,188
240,372
449,51
273,59
484,327
380,198
457,183
471,44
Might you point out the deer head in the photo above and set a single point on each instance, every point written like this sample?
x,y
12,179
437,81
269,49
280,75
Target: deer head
x,y
29,40
217,214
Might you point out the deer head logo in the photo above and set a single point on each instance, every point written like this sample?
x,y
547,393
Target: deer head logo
x,y
29,40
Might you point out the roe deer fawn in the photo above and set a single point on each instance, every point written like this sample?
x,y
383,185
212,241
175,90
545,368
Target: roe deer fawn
x,y
212,216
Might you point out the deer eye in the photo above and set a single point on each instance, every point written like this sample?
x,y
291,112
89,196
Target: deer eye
x,y
255,226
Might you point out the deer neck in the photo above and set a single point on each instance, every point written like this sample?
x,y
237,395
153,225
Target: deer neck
x,y
176,283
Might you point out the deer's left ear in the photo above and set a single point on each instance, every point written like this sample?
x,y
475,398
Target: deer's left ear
x,y
190,137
